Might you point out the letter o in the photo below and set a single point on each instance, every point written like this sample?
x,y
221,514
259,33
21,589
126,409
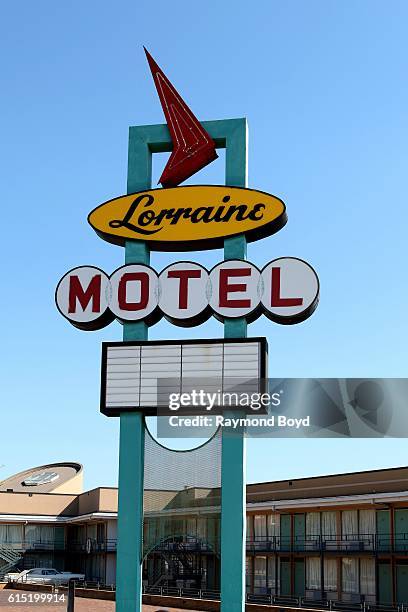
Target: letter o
x,y
134,293
182,293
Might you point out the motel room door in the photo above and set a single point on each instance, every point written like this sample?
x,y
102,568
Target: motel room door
x,y
285,577
300,578
402,584
383,529
384,583
285,532
401,530
299,530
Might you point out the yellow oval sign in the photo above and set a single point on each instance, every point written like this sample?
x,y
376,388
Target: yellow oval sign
x,y
189,218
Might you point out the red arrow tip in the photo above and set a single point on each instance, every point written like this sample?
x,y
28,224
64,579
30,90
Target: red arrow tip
x,y
193,147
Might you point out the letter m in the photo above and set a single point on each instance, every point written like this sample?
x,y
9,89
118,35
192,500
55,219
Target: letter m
x,y
77,293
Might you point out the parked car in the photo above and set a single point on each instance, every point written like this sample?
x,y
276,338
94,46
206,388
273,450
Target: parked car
x,y
47,576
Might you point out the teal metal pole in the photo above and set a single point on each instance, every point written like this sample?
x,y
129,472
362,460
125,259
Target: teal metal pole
x,y
233,464
129,556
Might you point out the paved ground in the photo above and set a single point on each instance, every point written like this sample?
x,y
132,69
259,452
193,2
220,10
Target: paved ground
x,y
81,605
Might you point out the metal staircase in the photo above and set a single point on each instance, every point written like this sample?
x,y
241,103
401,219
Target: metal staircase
x,y
159,579
10,557
181,562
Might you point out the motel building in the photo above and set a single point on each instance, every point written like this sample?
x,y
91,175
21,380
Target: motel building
x,y
341,537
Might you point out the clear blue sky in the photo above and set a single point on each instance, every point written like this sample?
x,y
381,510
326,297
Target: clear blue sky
x,y
324,88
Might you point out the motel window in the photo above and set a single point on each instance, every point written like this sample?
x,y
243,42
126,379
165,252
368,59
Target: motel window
x,y
260,575
248,573
273,578
350,575
177,526
249,527
191,527
44,534
91,532
273,525
329,526
76,534
202,528
160,529
100,534
150,532
213,525
313,572
349,524
313,525
367,576
167,529
145,531
260,527
11,534
330,575
367,522
204,567
95,567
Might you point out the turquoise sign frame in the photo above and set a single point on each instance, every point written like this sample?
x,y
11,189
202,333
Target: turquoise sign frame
x,y
231,134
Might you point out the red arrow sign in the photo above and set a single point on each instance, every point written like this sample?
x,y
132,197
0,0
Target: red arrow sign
x,y
193,146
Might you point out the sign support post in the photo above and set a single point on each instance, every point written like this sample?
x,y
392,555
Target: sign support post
x,y
233,468
131,446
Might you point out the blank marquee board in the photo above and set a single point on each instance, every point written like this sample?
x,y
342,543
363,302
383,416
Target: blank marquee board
x,y
142,375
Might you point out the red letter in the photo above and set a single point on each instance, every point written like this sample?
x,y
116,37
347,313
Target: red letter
x,y
76,292
276,299
183,276
225,288
143,278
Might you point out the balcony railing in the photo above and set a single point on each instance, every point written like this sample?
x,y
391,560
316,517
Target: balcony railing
x,y
34,545
87,546
188,545
92,546
348,544
281,601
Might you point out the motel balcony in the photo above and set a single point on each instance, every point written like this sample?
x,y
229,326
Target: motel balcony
x,y
89,546
34,545
346,544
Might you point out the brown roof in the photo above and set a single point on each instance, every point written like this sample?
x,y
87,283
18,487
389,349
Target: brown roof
x,y
354,483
